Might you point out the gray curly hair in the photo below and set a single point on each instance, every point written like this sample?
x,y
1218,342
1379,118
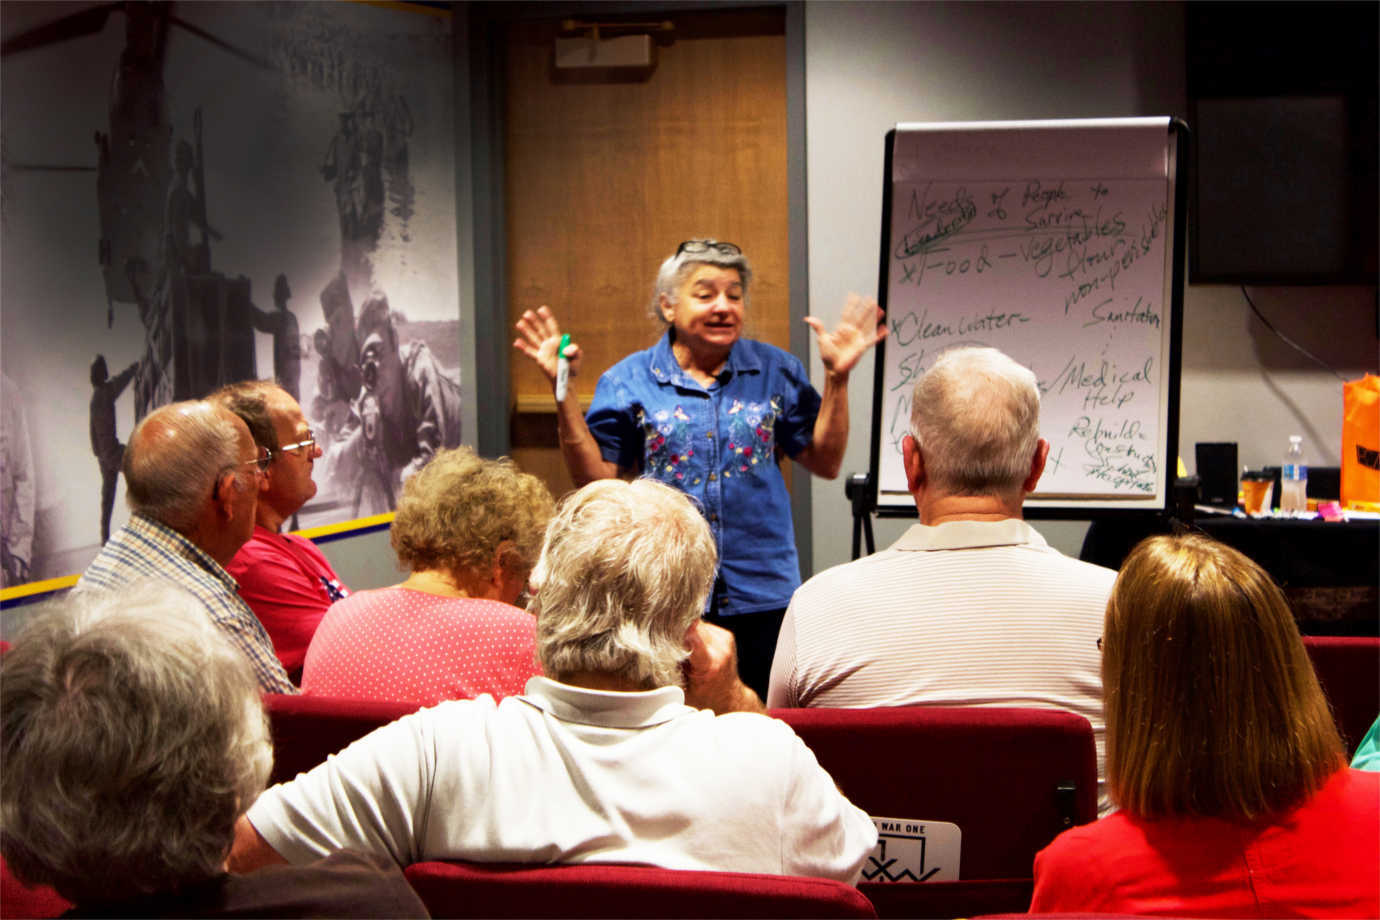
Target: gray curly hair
x,y
678,266
623,574
133,737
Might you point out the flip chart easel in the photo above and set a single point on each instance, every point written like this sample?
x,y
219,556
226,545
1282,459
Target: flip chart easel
x,y
1061,243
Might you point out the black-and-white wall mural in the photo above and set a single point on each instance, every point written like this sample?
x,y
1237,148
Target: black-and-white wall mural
x,y
198,193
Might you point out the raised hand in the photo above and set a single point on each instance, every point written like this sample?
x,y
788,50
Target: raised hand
x,y
539,335
859,329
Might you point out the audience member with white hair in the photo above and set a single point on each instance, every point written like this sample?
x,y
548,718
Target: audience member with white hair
x,y
192,477
970,607
134,737
605,759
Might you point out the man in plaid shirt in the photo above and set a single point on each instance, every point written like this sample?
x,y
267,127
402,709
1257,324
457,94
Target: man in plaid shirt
x,y
192,477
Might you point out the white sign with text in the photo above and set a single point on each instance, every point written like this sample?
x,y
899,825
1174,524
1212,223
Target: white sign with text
x,y
913,850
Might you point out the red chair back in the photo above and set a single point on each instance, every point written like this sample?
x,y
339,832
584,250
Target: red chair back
x,y
307,729
20,902
1011,779
1348,667
459,889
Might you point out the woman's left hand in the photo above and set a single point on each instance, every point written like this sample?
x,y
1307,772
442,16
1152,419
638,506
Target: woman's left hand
x,y
859,329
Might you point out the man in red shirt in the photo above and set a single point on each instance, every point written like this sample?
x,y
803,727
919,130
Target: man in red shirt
x,y
283,578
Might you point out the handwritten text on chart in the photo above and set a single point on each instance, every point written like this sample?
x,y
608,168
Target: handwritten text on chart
x,y
911,327
1087,245
1103,384
1120,452
1067,275
1096,386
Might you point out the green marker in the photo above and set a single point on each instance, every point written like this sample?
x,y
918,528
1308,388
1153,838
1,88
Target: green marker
x,y
562,368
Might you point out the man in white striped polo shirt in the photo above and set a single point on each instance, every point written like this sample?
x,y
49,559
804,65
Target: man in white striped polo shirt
x,y
971,607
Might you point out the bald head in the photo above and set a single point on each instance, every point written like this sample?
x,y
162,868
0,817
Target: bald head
x,y
174,458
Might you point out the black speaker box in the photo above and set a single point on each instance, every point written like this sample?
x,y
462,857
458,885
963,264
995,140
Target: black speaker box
x,y
1217,470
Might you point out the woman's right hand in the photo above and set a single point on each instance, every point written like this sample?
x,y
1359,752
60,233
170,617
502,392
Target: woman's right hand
x,y
539,335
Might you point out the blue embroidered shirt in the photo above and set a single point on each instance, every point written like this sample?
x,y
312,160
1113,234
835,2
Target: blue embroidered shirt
x,y
718,444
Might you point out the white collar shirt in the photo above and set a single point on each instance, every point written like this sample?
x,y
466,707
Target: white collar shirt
x,y
564,774
963,613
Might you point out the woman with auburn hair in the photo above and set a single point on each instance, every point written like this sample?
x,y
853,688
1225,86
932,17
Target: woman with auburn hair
x,y
1235,796
470,530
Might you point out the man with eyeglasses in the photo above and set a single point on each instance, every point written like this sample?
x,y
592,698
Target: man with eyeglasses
x,y
283,578
192,480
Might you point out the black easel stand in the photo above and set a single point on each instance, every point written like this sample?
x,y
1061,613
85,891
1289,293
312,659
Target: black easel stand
x,y
858,489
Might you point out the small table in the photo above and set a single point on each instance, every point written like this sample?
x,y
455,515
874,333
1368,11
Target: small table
x,y
1329,570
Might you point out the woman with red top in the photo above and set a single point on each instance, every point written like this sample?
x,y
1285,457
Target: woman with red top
x,y
470,530
1235,796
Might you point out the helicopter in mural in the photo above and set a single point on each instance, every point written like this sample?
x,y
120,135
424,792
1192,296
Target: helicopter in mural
x,y
155,246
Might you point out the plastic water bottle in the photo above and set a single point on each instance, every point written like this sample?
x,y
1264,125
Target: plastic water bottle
x,y
1293,477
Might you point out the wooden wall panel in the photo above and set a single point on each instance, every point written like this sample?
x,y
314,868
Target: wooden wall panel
x,y
604,179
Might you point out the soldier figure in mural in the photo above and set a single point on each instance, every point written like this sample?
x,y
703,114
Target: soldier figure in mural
x,y
154,386
198,323
287,340
354,166
407,409
337,370
397,125
369,205
105,443
340,168
16,487
419,403
185,209
397,128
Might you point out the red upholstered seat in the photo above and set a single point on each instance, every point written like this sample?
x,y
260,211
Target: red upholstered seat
x,y
1011,779
1348,667
307,729
459,889
1059,916
20,902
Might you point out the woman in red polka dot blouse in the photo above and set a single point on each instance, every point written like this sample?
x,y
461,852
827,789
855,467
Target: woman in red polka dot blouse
x,y
469,529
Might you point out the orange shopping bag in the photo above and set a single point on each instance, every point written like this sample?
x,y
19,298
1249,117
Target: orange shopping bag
x,y
1361,444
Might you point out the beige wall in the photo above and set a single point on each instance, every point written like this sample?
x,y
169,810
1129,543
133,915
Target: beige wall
x,y
870,65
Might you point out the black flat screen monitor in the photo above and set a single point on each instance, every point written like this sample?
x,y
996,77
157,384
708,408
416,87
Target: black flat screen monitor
x,y
1282,109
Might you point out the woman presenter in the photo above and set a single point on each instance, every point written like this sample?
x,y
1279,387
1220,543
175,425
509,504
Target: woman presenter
x,y
713,413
